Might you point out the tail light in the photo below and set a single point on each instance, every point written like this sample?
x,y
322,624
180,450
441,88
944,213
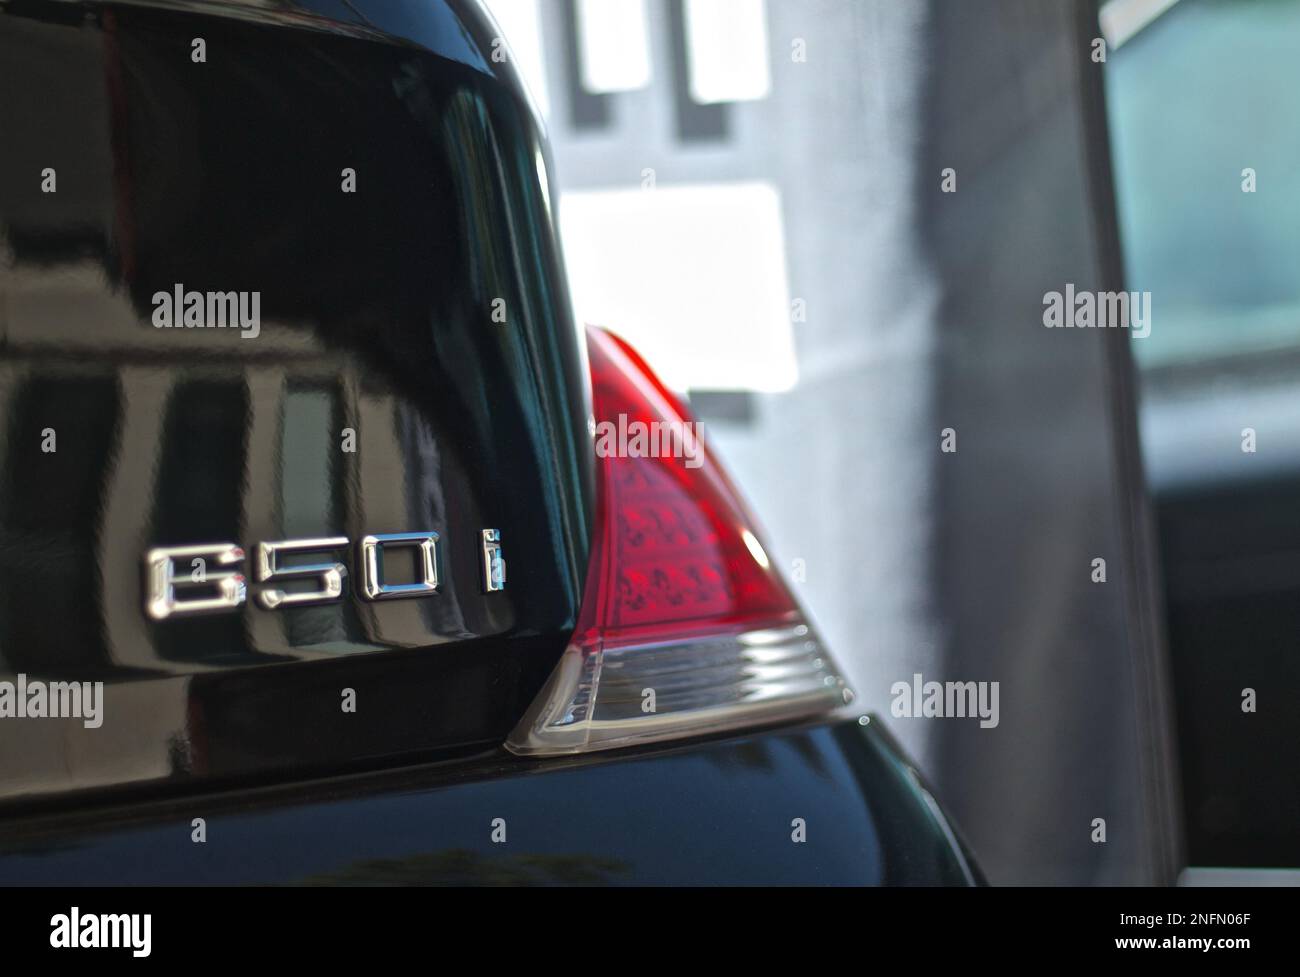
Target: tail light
x,y
686,628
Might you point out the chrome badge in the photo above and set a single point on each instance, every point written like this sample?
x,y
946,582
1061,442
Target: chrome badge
x,y
494,565
206,579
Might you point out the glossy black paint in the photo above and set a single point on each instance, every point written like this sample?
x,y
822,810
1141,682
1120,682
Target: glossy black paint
x,y
716,812
377,316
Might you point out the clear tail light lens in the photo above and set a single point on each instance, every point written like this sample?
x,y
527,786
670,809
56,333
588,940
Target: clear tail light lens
x,y
686,628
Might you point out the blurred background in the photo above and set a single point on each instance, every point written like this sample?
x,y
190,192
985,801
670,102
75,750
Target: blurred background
x,y
832,224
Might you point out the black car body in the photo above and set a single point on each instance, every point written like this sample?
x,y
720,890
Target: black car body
x,y
372,172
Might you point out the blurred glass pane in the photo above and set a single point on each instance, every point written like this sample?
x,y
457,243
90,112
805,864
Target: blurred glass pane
x,y
694,276
727,47
614,36
1200,100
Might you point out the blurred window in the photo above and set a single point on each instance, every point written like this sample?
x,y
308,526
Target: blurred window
x,y
1203,98
693,276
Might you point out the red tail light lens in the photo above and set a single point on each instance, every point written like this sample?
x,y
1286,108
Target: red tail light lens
x,y
676,550
686,628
